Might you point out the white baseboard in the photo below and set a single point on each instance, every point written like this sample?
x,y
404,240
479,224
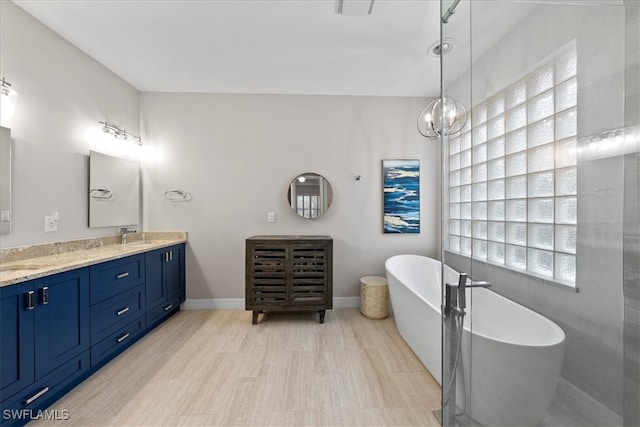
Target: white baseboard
x,y
346,302
238,303
213,304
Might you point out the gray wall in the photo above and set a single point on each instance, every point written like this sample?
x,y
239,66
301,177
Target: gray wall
x,y
592,318
237,154
631,258
62,94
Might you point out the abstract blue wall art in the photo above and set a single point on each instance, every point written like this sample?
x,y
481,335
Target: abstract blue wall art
x,y
401,185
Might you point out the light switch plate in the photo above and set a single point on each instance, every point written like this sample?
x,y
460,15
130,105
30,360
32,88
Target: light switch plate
x,y
271,217
51,223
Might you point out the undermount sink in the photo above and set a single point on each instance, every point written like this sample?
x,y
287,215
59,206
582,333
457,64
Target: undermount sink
x,y
30,266
139,243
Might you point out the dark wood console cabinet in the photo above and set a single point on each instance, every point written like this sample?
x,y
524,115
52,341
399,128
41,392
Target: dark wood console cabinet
x,y
289,273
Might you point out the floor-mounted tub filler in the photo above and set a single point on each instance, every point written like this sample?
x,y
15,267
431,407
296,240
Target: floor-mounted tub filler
x,y
517,353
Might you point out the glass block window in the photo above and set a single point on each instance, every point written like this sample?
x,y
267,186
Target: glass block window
x,y
512,176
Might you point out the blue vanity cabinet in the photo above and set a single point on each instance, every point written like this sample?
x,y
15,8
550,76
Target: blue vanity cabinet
x,y
113,277
45,340
174,274
165,282
61,319
112,314
118,306
57,330
16,335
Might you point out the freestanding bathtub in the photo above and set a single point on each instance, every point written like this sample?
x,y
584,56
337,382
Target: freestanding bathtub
x,y
516,353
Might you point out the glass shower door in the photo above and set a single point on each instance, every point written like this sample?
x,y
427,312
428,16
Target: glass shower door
x,y
457,209
540,200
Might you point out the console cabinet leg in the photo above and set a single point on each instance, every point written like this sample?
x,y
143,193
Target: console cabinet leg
x,y
322,315
254,320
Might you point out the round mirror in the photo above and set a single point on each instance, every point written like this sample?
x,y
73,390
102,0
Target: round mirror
x,y
310,195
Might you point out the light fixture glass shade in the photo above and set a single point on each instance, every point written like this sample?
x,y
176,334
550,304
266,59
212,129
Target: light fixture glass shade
x,y
8,99
444,116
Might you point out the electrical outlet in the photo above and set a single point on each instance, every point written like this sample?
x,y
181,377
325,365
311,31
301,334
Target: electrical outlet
x,y
271,217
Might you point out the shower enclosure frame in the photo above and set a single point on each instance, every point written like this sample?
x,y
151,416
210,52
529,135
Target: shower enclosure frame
x,y
621,20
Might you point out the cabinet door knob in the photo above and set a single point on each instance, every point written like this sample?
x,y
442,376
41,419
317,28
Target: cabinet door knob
x,y
36,396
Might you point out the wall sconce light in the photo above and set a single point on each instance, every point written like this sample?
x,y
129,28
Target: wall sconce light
x,y
8,98
118,133
444,116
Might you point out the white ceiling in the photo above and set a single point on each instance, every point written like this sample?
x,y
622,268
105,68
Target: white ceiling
x,y
254,46
264,46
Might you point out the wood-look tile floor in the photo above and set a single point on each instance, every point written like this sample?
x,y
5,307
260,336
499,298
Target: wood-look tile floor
x,y
215,368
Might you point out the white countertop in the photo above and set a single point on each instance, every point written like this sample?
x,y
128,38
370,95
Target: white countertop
x,y
32,268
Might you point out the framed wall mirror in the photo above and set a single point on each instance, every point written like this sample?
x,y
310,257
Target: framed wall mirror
x,y
310,195
114,191
5,180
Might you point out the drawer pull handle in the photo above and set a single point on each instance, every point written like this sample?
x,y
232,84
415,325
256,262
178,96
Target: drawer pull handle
x,y
123,311
124,337
122,275
36,396
169,307
29,302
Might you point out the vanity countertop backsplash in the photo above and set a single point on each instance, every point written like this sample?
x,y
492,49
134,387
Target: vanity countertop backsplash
x,y
33,261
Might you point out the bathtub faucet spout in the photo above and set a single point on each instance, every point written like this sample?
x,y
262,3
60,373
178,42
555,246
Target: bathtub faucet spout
x,y
462,285
481,284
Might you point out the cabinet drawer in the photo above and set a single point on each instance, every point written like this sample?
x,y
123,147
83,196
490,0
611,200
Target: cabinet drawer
x,y
111,314
117,341
114,277
160,313
44,392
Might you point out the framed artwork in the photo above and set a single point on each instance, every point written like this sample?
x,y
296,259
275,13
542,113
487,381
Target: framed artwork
x,y
401,196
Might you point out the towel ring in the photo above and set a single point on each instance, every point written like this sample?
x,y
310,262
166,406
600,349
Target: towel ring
x,y
100,193
177,195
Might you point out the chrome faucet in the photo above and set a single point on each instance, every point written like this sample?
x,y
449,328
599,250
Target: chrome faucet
x,y
462,285
457,301
123,234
